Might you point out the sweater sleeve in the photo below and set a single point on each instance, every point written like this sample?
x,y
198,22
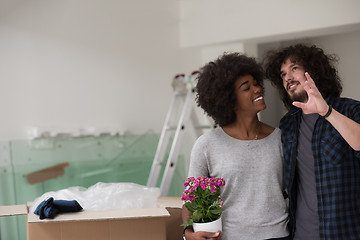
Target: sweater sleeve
x,y
198,159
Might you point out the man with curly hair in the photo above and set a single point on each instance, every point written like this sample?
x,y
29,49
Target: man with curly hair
x,y
321,143
242,150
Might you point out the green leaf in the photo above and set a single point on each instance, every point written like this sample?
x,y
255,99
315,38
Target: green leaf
x,y
191,206
189,222
216,211
197,215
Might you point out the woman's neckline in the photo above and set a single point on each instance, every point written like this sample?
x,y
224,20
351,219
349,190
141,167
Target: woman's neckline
x,y
248,140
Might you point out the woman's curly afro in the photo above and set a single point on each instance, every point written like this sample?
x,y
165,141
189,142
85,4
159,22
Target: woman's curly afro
x,y
215,85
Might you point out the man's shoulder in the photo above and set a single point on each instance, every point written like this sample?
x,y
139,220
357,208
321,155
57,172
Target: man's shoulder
x,y
289,117
343,101
346,106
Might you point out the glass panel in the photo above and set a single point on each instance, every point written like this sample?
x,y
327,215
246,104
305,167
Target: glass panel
x,y
30,168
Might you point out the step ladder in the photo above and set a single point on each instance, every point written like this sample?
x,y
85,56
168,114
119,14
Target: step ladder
x,y
184,100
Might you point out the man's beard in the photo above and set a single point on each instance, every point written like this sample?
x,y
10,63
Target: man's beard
x,y
299,97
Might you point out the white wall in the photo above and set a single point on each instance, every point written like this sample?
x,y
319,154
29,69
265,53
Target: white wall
x,y
67,65
347,47
206,22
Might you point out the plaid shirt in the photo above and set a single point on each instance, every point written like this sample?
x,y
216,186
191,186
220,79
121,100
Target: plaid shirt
x,y
337,172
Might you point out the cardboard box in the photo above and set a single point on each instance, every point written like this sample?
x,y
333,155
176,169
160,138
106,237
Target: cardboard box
x,y
174,206
136,224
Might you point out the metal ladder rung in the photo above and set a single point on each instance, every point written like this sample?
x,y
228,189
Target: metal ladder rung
x,y
188,115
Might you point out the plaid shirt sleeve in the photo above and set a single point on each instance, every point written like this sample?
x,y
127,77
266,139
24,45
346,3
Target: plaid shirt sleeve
x,y
337,176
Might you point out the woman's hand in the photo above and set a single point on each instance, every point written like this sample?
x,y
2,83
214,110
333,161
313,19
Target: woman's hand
x,y
190,235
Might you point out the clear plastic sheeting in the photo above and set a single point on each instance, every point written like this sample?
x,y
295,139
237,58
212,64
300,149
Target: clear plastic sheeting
x,y
106,196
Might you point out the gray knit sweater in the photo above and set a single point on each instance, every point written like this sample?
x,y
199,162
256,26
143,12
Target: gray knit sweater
x,y
254,207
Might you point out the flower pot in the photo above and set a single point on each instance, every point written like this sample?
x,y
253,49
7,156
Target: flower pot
x,y
213,226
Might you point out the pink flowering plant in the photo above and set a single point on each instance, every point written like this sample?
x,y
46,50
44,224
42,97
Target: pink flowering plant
x,y
202,198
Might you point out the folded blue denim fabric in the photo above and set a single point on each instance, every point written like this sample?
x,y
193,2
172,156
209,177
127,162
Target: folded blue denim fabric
x,y
50,208
67,206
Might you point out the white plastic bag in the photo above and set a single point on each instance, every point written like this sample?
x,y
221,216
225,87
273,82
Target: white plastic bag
x,y
106,196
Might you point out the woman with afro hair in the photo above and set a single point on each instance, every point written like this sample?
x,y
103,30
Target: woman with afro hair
x,y
243,150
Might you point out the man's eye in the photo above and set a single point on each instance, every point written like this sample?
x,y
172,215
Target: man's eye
x,y
295,68
282,75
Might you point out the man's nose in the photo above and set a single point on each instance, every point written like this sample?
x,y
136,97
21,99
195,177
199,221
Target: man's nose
x,y
288,77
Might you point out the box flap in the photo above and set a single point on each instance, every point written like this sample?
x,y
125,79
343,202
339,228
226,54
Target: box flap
x,y
171,202
13,210
102,215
